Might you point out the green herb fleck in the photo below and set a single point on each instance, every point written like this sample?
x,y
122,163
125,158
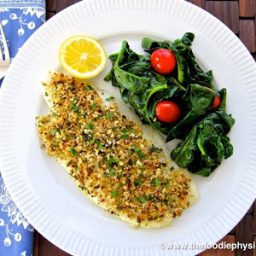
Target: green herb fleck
x,y
124,136
111,172
92,141
109,115
119,175
141,199
154,148
46,94
99,144
167,183
110,98
90,126
126,133
137,151
73,151
75,108
138,182
88,88
114,193
112,161
156,182
54,131
93,106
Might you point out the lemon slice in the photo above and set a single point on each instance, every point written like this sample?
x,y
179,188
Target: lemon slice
x,y
82,56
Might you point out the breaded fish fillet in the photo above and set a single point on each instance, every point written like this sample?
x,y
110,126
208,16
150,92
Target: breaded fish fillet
x,y
110,157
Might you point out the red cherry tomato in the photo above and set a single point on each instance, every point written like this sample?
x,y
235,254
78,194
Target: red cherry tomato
x,y
216,102
163,61
167,111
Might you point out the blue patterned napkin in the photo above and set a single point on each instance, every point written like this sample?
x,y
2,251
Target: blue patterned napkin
x,y
20,18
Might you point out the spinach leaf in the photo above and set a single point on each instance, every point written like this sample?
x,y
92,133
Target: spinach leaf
x,y
150,45
188,70
202,129
206,144
197,101
156,94
184,153
140,86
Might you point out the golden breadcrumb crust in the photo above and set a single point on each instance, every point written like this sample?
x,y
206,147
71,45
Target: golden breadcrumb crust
x,y
108,156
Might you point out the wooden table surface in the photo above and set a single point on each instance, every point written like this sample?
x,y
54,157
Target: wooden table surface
x,y
239,16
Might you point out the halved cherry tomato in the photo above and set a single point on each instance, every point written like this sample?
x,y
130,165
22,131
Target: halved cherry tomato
x,y
167,111
163,61
216,102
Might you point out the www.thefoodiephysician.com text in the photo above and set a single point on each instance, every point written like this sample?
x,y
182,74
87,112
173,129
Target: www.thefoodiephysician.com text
x,y
221,245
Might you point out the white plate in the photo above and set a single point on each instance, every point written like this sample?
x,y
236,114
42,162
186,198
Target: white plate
x,y
49,198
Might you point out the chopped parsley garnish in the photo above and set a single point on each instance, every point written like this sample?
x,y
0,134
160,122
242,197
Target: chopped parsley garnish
x,y
110,98
141,199
46,94
99,144
112,161
156,182
126,133
154,148
73,151
127,130
111,172
109,115
54,131
137,151
138,182
75,108
90,126
88,88
125,136
114,193
93,106
119,175
92,141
